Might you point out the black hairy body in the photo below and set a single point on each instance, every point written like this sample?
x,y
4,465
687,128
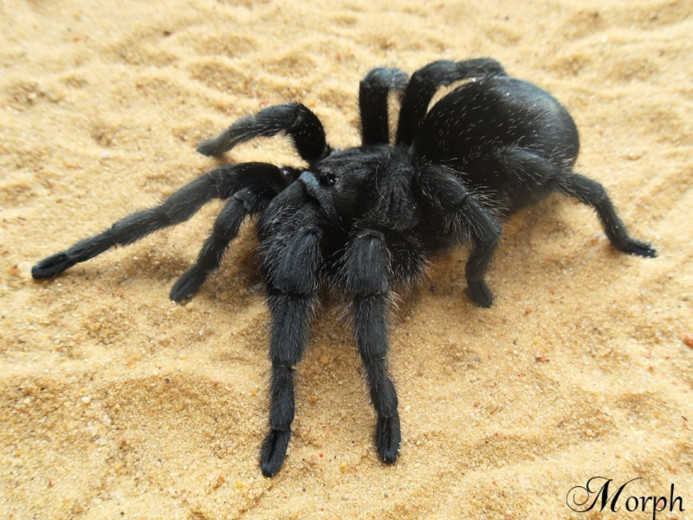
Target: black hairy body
x,y
364,220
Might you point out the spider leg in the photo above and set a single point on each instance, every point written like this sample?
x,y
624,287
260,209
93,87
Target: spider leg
x,y
295,119
245,202
593,194
465,215
242,203
533,177
291,261
427,80
366,279
179,207
373,91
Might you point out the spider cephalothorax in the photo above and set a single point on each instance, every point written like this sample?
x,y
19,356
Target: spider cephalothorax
x,y
363,220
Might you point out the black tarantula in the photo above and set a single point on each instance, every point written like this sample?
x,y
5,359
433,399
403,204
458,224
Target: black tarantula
x,y
365,219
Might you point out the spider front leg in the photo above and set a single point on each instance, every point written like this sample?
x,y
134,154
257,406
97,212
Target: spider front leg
x,y
179,207
291,263
366,272
260,188
291,313
297,120
426,81
464,215
243,203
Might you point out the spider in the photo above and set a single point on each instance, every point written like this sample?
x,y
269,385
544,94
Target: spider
x,y
364,220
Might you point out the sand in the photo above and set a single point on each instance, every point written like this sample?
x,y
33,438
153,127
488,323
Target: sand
x,y
118,403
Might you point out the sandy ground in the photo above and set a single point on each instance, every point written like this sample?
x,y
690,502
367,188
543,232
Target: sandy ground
x,y
117,403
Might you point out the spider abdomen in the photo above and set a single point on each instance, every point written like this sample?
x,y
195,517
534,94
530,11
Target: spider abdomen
x,y
482,126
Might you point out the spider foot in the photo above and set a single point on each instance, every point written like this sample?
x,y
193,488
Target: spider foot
x,y
638,248
274,451
188,284
52,266
387,438
212,147
480,293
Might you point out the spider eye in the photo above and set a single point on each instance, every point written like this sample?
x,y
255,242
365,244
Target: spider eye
x,y
287,175
328,179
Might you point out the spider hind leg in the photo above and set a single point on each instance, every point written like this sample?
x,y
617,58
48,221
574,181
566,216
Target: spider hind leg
x,y
373,92
593,194
426,81
464,215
